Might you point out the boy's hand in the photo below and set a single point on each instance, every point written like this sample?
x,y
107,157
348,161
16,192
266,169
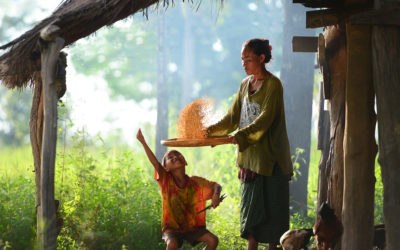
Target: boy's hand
x,y
215,200
140,136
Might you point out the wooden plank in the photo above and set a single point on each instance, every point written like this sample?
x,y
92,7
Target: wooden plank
x,y
328,17
305,44
47,211
322,18
318,3
383,16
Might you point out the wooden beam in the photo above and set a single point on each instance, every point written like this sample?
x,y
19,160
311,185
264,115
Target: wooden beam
x,y
384,16
319,3
328,17
305,44
322,18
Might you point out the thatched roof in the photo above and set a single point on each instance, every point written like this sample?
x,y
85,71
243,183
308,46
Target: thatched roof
x,y
76,19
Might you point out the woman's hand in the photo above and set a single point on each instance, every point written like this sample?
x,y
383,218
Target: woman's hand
x,y
233,140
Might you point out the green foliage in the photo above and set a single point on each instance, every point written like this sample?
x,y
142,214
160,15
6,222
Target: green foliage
x,y
378,211
210,38
109,199
125,57
15,17
17,196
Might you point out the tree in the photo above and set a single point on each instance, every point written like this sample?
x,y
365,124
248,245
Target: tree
x,y
15,105
297,75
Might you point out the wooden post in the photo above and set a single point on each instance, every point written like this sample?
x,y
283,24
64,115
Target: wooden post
x,y
359,142
386,68
323,145
46,212
334,74
36,134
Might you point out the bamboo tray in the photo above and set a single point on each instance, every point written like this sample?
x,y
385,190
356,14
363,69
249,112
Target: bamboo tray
x,y
209,141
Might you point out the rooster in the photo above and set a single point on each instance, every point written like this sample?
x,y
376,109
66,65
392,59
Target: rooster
x,y
327,228
296,239
379,237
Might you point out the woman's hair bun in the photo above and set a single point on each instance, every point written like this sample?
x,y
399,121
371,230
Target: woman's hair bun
x,y
260,46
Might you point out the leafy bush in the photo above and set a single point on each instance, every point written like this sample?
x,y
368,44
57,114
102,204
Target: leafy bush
x,y
17,195
109,199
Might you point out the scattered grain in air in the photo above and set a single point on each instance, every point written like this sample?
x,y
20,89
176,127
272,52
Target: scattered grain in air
x,y
193,119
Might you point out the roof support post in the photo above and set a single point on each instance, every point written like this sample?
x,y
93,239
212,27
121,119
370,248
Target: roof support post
x,y
47,237
359,142
386,71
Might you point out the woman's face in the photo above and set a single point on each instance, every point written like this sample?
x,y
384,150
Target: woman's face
x,y
251,63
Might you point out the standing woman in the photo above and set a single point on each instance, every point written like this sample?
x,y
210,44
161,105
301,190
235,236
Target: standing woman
x,y
263,155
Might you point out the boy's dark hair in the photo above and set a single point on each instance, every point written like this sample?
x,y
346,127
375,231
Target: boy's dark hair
x,y
164,159
259,46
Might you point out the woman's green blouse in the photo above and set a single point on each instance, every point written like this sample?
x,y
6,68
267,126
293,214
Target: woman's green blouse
x,y
261,127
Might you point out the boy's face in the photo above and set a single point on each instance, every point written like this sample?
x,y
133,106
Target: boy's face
x,y
174,160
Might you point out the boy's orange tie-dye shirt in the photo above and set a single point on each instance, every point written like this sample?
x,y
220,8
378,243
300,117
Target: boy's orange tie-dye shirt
x,y
180,205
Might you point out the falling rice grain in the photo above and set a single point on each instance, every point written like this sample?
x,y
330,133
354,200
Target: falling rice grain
x,y
192,119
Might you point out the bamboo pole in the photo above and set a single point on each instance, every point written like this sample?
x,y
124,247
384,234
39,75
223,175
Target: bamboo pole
x,y
46,212
359,142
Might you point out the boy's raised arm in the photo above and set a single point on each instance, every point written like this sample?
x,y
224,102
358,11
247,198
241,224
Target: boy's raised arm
x,y
150,155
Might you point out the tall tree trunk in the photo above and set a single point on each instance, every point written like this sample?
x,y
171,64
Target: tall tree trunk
x,y
187,57
162,91
359,142
386,68
297,75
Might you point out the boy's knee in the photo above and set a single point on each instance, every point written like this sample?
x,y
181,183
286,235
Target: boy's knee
x,y
172,244
213,241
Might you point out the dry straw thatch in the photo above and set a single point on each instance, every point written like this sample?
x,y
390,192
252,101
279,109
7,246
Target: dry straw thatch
x,y
76,19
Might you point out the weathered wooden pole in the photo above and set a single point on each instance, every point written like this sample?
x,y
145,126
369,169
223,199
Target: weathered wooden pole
x,y
386,68
36,134
46,211
336,56
359,142
323,145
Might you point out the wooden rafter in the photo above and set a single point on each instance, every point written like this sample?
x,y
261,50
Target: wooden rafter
x,y
320,3
384,16
327,17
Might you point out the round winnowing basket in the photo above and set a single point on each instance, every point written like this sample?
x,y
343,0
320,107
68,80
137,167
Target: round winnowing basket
x,y
209,141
